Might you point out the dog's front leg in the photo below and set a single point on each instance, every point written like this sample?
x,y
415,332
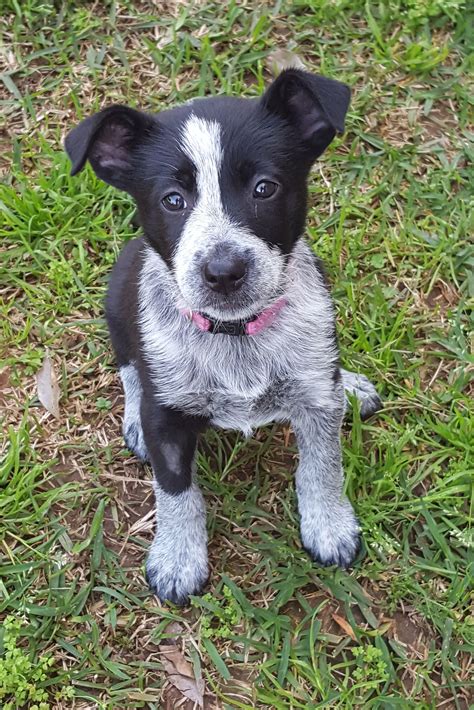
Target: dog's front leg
x,y
177,562
329,528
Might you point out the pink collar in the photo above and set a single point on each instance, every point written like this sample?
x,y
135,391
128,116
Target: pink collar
x,y
237,327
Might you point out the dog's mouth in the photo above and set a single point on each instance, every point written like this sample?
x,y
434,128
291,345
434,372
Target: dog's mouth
x,y
233,308
241,327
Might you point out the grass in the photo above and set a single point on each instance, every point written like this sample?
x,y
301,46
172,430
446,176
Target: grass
x,y
391,216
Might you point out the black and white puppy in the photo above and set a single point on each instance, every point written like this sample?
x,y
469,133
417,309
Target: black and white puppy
x,y
220,315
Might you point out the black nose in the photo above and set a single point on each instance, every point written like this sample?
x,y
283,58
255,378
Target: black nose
x,y
225,273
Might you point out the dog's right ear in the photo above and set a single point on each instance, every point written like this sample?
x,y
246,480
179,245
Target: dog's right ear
x,y
108,140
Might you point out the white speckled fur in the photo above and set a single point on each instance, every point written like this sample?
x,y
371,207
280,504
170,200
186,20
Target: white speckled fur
x,y
177,562
132,427
224,377
329,528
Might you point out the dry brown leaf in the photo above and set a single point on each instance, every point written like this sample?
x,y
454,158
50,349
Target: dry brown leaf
x,y
5,387
180,674
191,688
47,387
345,626
282,59
4,379
174,656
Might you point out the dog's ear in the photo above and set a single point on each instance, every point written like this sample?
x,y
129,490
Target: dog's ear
x,y
315,105
108,140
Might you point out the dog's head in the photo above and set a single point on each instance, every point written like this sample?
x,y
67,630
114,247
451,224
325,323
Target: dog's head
x,y
220,183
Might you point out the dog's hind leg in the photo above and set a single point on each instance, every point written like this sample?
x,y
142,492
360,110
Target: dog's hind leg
x,y
132,425
362,388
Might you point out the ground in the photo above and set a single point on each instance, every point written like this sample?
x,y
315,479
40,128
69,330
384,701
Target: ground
x,y
390,211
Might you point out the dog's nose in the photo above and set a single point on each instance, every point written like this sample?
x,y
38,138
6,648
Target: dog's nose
x,y
225,273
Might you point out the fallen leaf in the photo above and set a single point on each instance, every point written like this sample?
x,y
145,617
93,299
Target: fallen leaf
x,y
4,379
4,387
174,656
282,59
345,626
180,674
48,388
189,687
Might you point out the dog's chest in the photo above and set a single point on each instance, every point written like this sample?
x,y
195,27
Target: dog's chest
x,y
234,388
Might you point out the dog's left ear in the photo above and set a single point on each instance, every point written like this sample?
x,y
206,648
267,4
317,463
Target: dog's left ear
x,y
315,105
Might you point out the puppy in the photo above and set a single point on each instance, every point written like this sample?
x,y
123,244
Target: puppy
x,y
220,314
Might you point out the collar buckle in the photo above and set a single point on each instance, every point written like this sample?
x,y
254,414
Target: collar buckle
x,y
229,327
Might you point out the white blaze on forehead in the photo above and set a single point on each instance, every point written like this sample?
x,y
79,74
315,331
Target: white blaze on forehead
x,y
208,224
202,145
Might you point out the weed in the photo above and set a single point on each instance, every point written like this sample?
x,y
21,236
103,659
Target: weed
x,y
21,677
220,619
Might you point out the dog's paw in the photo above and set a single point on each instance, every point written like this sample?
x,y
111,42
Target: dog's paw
x,y
174,577
362,388
134,441
332,536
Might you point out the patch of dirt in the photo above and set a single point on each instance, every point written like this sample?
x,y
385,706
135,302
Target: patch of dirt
x,y
294,611
436,125
442,297
405,124
411,632
172,700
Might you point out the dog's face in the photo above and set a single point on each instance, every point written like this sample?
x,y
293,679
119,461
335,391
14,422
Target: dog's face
x,y
220,183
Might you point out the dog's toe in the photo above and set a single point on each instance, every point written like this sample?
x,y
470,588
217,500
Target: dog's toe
x,y
370,404
342,555
134,441
333,540
177,585
362,388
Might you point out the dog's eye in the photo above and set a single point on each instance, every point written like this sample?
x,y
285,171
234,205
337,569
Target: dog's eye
x,y
264,189
174,202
